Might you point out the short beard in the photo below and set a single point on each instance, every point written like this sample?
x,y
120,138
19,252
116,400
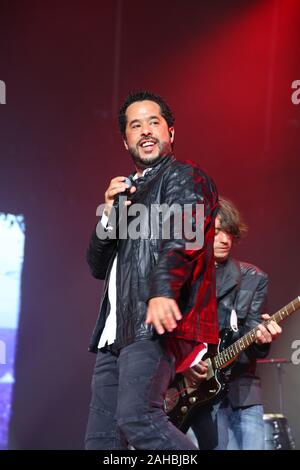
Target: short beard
x,y
164,150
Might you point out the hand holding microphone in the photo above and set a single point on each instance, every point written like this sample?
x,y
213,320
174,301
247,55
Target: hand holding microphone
x,y
117,186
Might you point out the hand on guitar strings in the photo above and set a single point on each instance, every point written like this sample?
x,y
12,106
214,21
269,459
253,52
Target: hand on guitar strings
x,y
196,374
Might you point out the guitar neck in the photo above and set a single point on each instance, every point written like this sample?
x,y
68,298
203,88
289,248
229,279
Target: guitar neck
x,y
224,358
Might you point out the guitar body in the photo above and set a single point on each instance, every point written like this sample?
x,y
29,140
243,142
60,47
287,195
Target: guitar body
x,y
182,400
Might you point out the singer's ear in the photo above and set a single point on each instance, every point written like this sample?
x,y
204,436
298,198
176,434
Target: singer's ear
x,y
125,144
171,134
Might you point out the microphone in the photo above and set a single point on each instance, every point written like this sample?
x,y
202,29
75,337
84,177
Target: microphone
x,y
130,182
112,223
121,210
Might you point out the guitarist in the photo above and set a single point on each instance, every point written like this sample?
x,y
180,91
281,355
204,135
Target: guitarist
x,y
236,421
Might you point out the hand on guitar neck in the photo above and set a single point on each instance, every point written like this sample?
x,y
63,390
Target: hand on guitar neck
x,y
267,331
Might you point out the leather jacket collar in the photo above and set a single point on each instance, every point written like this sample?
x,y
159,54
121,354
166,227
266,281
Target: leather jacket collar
x,y
162,164
231,277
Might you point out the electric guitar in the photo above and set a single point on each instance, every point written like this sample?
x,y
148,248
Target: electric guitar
x,y
182,398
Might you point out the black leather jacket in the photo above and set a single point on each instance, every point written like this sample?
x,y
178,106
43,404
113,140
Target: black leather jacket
x,y
244,287
153,267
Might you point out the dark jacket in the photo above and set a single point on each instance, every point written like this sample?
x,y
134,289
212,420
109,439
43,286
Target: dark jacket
x,y
244,287
151,267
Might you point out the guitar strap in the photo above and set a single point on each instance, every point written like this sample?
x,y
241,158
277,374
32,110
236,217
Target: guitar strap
x,y
233,315
233,320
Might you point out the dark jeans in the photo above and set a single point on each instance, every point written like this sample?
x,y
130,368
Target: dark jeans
x,y
127,400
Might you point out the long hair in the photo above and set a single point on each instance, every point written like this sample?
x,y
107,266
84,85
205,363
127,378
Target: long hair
x,y
230,219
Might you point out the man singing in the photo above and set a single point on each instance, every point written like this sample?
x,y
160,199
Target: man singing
x,y
159,295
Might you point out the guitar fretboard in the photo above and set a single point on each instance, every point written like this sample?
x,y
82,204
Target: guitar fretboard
x,y
225,357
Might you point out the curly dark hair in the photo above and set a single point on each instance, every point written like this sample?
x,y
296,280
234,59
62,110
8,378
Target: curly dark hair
x,y
142,96
231,219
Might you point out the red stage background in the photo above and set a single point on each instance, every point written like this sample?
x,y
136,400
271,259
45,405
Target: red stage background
x,y
226,69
